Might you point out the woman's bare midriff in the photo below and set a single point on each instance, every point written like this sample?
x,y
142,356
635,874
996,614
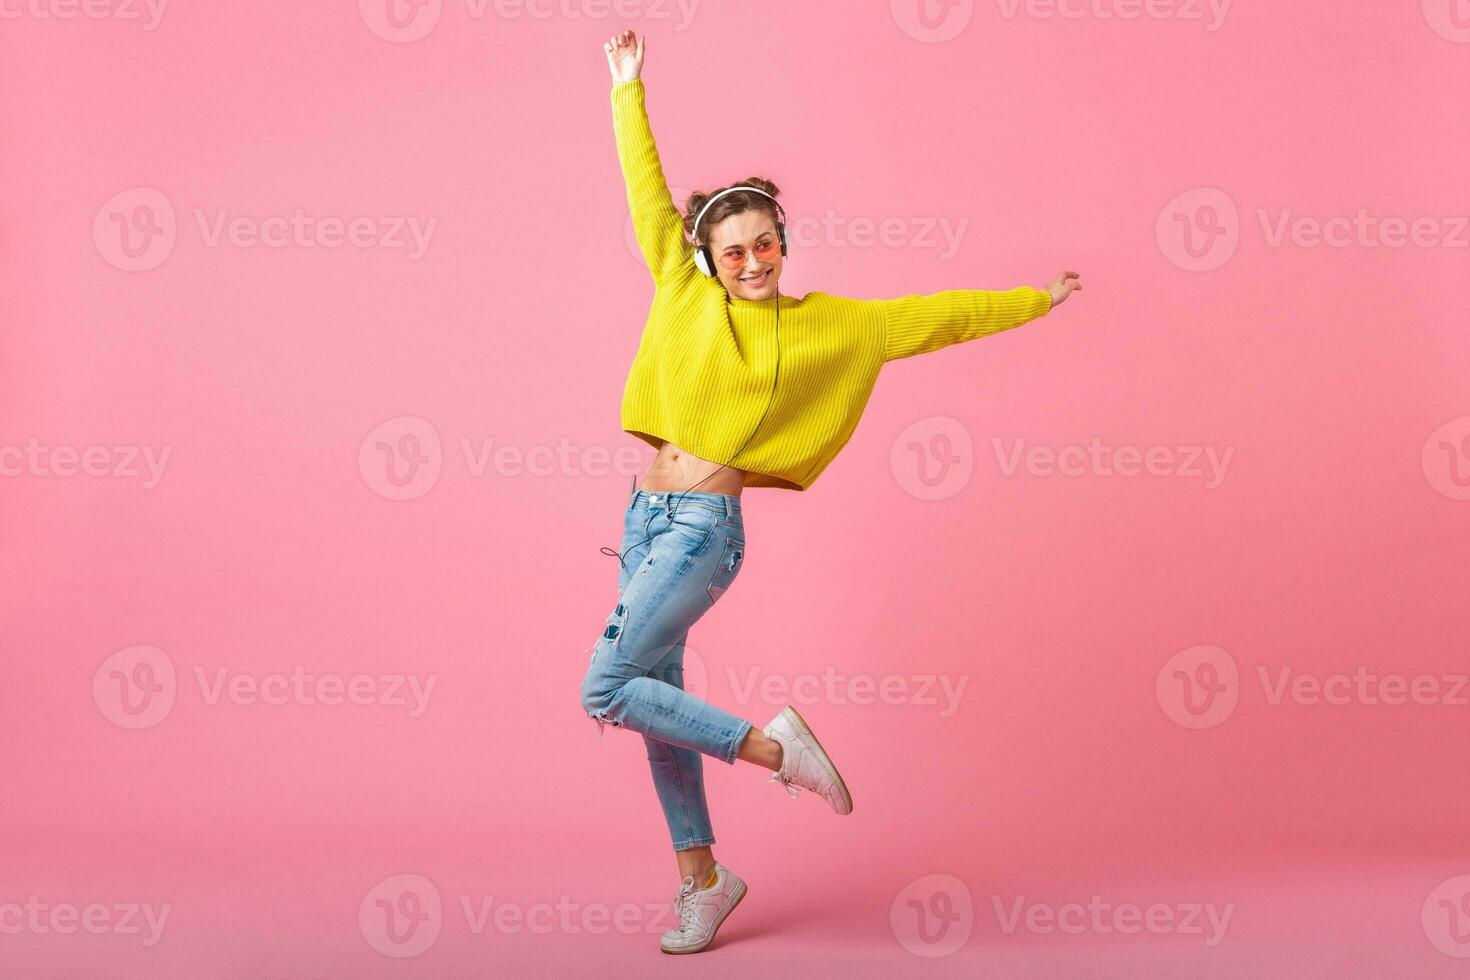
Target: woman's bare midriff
x,y
673,469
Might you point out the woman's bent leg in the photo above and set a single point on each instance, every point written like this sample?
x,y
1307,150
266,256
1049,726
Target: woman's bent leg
x,y
663,598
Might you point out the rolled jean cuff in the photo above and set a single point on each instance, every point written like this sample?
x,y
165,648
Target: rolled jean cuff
x,y
685,845
733,752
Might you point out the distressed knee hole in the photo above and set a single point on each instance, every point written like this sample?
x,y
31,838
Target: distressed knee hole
x,y
614,628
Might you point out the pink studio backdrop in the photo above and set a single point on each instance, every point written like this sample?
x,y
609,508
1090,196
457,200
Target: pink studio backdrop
x,y
237,452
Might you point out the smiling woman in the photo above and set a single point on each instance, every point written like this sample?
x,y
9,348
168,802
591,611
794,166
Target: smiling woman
x,y
711,381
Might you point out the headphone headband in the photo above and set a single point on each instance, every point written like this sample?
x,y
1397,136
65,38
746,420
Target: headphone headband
x,y
731,190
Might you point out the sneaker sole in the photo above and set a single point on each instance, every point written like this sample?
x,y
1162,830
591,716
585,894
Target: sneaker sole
x,y
739,896
826,759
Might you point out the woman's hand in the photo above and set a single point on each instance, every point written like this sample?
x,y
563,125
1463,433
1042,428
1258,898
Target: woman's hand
x,y
1061,287
624,56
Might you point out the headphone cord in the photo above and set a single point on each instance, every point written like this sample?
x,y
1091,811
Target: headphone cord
x,y
774,381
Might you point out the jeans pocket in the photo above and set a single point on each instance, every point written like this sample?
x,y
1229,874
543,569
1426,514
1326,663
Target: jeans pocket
x,y
730,561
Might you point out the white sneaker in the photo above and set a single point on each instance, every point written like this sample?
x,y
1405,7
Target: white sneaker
x,y
701,910
804,763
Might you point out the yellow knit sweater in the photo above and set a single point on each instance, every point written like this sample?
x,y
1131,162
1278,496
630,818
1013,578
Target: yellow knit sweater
x,y
705,364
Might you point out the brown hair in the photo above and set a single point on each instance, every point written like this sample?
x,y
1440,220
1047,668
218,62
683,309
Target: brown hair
x,y
730,204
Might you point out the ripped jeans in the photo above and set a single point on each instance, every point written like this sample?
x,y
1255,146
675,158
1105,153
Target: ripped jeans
x,y
635,677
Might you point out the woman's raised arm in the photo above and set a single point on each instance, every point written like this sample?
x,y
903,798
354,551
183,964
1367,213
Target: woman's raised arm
x,y
656,221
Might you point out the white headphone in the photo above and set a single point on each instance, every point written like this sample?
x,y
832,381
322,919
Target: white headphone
x,y
703,260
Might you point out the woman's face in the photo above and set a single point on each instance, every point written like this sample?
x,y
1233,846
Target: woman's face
x,y
740,237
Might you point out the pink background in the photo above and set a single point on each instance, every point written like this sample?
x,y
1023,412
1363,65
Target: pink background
x,y
271,542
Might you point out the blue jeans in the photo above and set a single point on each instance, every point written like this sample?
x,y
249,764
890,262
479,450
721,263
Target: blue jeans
x,y
635,678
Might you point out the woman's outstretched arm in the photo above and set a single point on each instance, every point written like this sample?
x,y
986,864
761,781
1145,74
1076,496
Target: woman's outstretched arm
x,y
656,221
920,324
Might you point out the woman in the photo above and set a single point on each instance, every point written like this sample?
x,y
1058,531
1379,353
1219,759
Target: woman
x,y
703,385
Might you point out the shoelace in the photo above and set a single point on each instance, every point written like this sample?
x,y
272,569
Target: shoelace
x,y
787,780
684,903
